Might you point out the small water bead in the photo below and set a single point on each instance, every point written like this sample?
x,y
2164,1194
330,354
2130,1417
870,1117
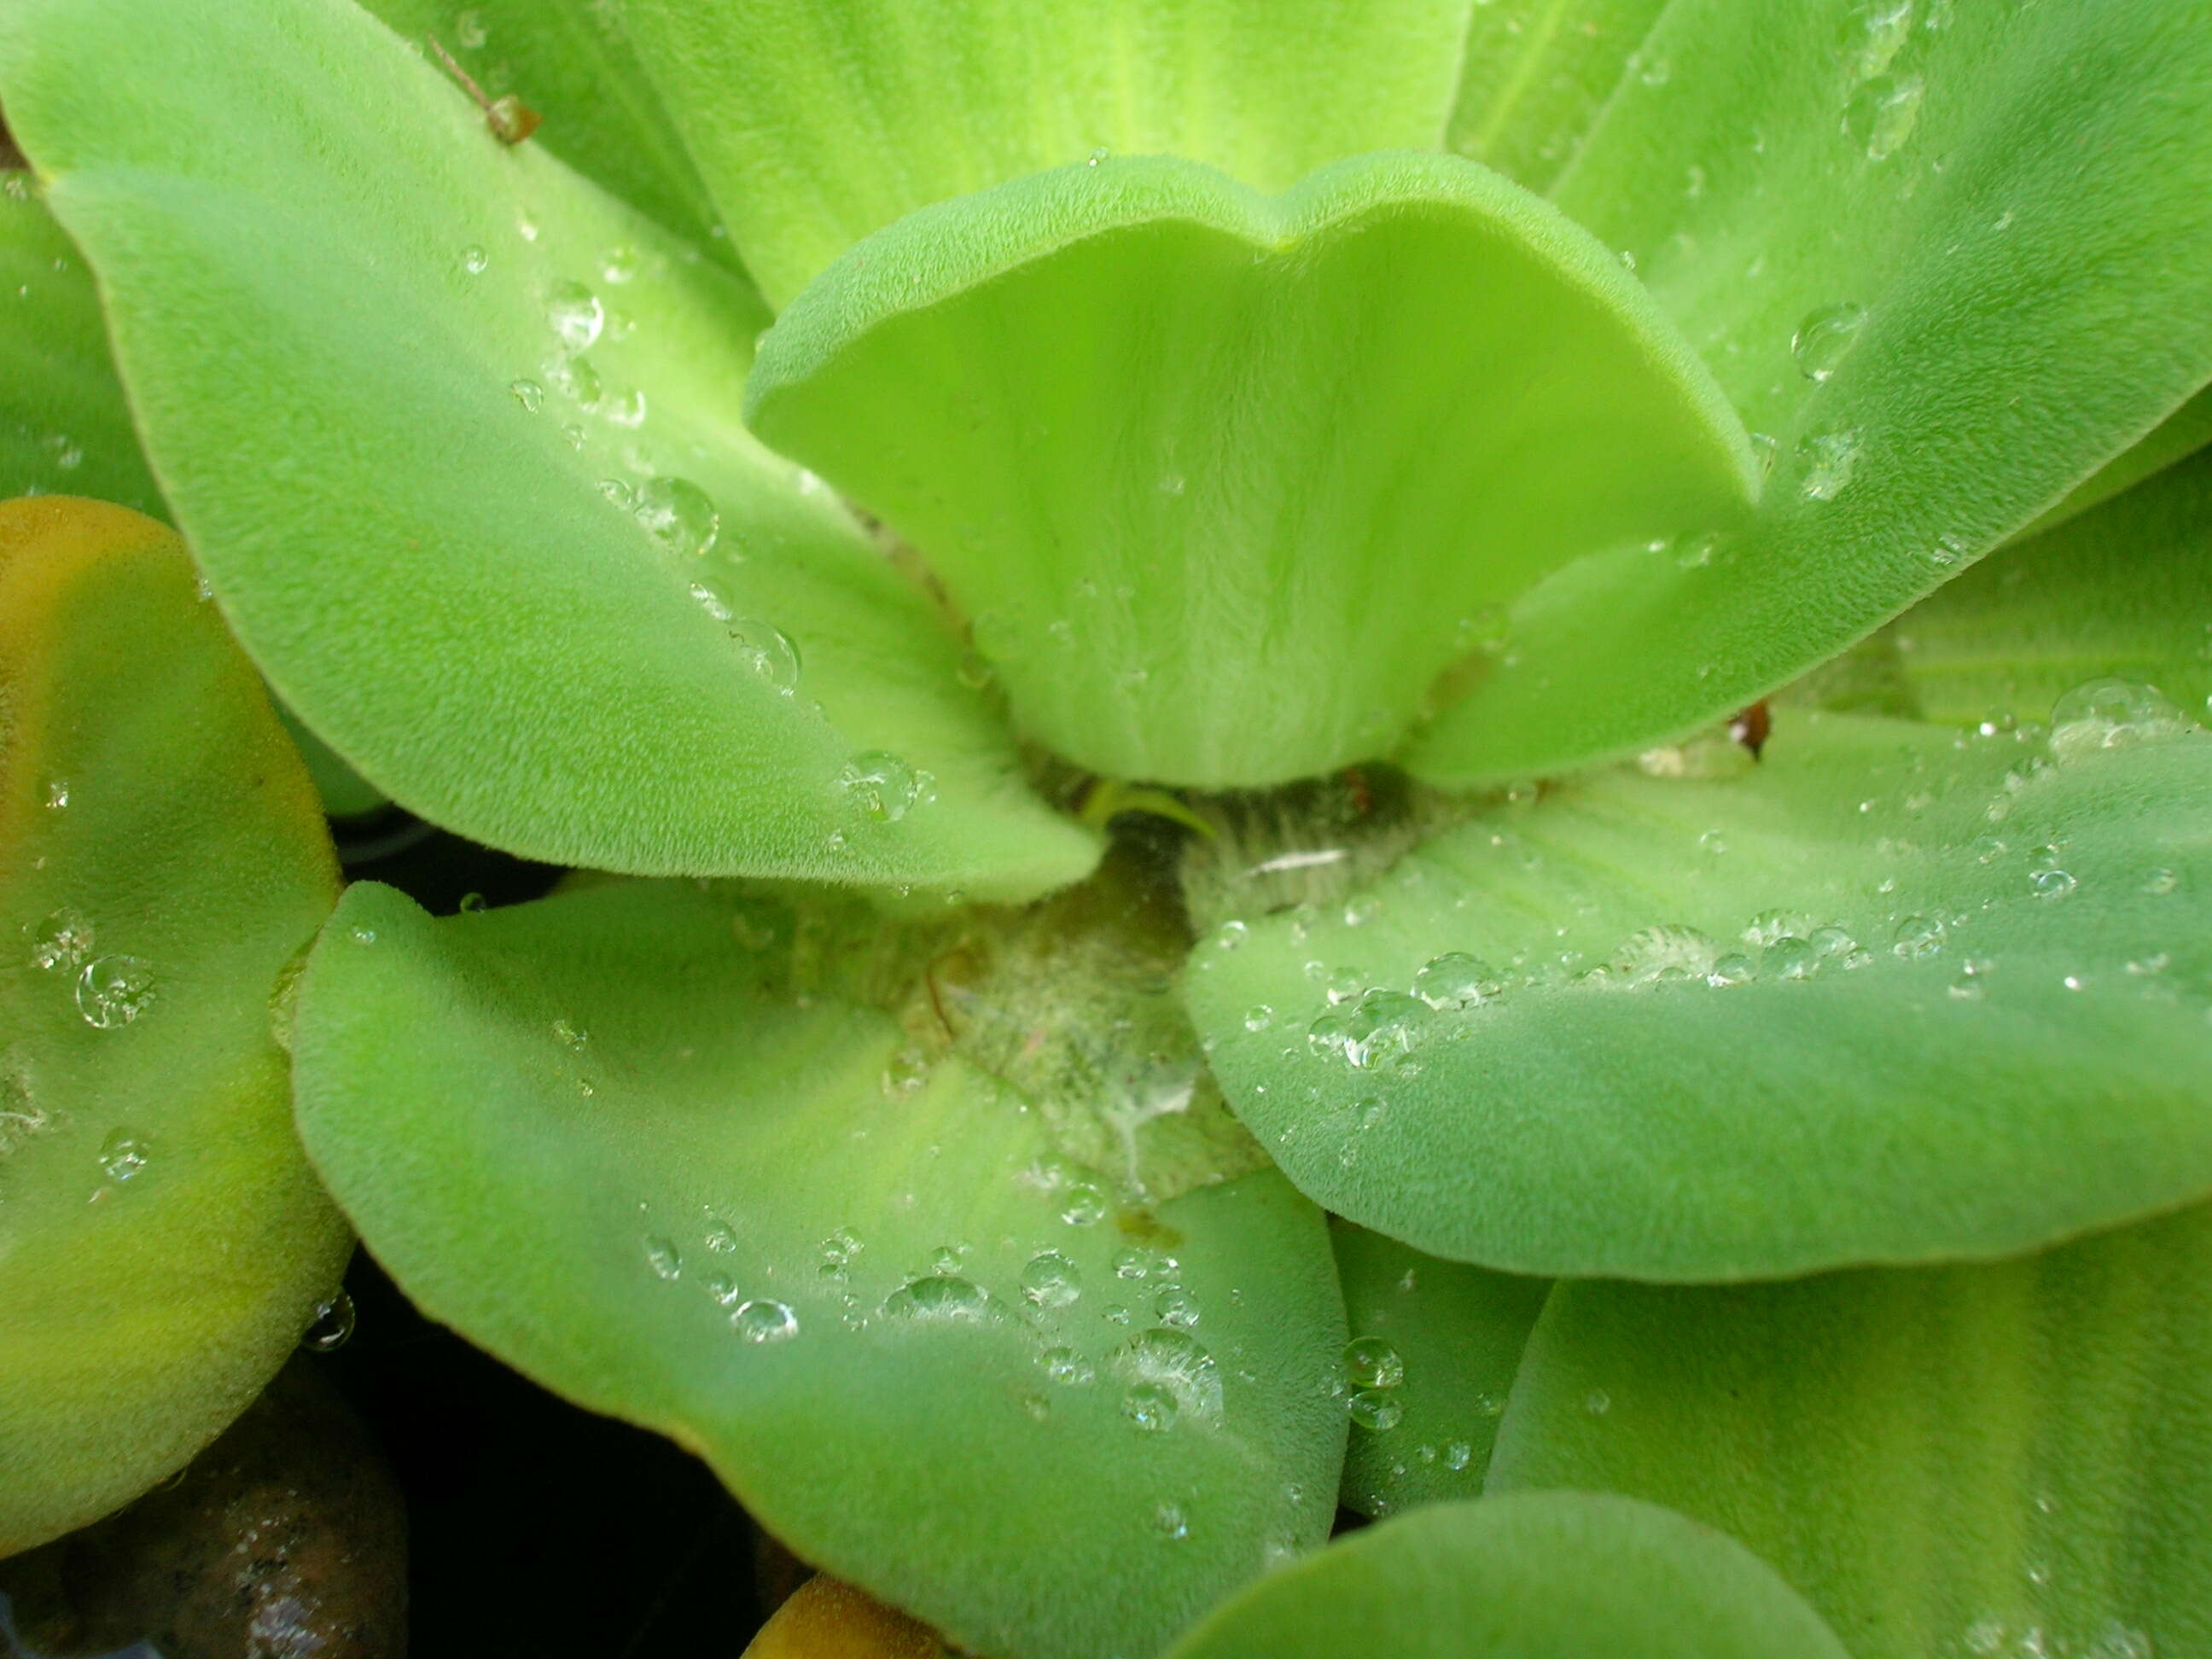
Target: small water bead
x,y
1082,1205
1732,970
721,1238
1989,849
1825,337
529,394
1167,1519
905,1072
1177,1308
1919,937
332,1327
475,260
1831,941
1829,459
469,30
574,379
1457,979
112,991
768,652
124,1155
1151,1408
1790,958
1050,1280
1881,114
663,1257
63,939
1371,1363
575,315
884,786
2113,714
946,1258
58,794
1259,1016
571,1035
625,408
1066,1367
2050,884
679,514
2160,883
762,1320
618,265
939,1298
840,1247
1769,926
1597,1402
1458,1455
1374,1410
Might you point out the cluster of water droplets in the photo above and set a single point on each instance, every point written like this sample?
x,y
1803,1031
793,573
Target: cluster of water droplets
x,y
110,990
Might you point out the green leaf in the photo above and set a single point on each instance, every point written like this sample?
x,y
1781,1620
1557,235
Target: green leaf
x,y
571,61
64,426
1536,73
1900,190
2011,1459
344,792
1437,1343
1226,481
1541,1576
2120,590
1897,993
2180,436
618,1145
162,1242
816,126
460,545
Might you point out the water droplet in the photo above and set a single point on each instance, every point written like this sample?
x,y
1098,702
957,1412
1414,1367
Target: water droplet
x,y
360,935
1066,1367
940,1298
1050,1280
529,394
332,1325
469,30
1597,1402
1177,1308
575,315
1790,958
2112,713
1919,937
721,1238
1666,954
1879,31
1259,1016
1831,941
2159,883
618,265
1824,339
1371,1363
626,408
2050,884
759,1319
1733,968
1167,1519
1457,979
662,1256
1881,114
1151,1408
906,1071
112,991
1096,156
677,515
1170,1366
840,1247
123,1155
1828,459
1374,1410
570,1036
1458,1455
475,260
884,786
767,651
63,939
574,379
1082,1205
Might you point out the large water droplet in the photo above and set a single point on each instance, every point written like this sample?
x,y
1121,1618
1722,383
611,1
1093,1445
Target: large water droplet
x,y
939,1297
1824,339
1050,1280
884,786
2113,714
1172,1363
1374,1410
1457,979
679,514
760,1320
767,651
575,315
112,991
332,1326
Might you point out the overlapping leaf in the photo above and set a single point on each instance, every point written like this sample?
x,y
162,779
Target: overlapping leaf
x,y
2012,1458
162,1243
933,1355
455,437
1896,994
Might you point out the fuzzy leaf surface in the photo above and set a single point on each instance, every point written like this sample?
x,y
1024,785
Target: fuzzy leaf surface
x,y
1225,482
459,528
2013,1458
1876,223
614,1152
1896,994
1537,1576
162,1242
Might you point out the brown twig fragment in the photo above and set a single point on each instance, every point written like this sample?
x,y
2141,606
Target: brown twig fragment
x,y
511,120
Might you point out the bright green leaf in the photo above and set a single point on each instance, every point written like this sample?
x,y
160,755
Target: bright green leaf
x,y
572,62
1536,73
2013,1458
447,429
2124,590
162,1243
924,1347
1944,256
1225,482
2180,436
1434,1348
64,425
818,125
1540,1576
344,792
1896,994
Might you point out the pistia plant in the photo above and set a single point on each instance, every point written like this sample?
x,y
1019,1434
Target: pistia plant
x,y
1249,826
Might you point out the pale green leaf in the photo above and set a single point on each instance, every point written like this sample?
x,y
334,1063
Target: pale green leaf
x,y
1434,1345
1895,994
162,1243
2180,436
815,125
1944,256
446,429
1225,482
2010,1460
1539,1575
1536,73
607,1137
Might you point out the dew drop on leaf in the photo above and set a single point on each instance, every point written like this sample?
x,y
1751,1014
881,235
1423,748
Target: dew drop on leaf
x,y
112,991
760,1320
1825,337
767,651
679,514
575,315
